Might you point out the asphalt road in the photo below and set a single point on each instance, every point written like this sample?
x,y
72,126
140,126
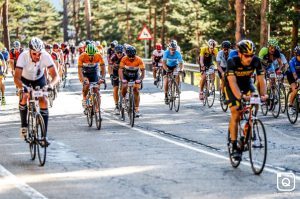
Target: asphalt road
x,y
166,154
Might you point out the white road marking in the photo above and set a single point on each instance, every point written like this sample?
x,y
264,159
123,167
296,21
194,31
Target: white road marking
x,y
149,133
10,179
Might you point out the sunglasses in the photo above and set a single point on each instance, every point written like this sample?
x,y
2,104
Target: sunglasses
x,y
248,56
172,49
36,54
119,53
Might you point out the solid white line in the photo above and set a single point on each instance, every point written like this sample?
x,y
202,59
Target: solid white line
x,y
149,133
10,179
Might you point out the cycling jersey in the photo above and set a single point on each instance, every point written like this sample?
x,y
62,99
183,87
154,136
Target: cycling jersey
x,y
34,70
1,64
295,66
266,56
90,69
233,53
110,53
72,48
157,55
172,61
207,56
131,67
5,55
55,56
274,66
222,58
116,61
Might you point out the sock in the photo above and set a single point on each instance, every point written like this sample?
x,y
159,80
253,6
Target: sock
x,y
23,114
45,115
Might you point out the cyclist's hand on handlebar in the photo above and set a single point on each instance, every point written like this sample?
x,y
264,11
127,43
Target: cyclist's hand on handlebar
x,y
124,81
85,81
264,97
246,97
101,80
138,81
48,87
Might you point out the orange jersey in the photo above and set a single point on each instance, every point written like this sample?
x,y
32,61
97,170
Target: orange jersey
x,y
84,60
136,62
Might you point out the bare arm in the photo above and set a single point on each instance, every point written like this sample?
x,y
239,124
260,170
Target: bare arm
x,y
17,78
262,85
54,75
234,87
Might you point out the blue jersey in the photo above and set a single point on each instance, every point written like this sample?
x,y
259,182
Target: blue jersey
x,y
5,55
295,66
233,53
172,60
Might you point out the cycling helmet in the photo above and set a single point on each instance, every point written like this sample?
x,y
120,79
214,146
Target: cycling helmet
x,y
211,43
55,46
87,42
130,51
119,49
272,42
296,49
226,44
17,44
158,46
91,49
36,44
48,46
173,44
81,45
97,43
63,45
246,47
114,44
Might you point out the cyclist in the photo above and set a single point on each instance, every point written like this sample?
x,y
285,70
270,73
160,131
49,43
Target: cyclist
x,y
206,62
89,63
131,66
2,76
81,48
5,55
73,52
99,47
30,70
54,55
157,60
14,54
222,61
238,85
171,60
293,75
114,74
60,54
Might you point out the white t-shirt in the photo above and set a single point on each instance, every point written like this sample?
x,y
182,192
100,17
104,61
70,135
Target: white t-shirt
x,y
31,70
158,54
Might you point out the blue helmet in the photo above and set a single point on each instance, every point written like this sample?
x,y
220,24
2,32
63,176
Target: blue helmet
x,y
130,51
119,49
173,44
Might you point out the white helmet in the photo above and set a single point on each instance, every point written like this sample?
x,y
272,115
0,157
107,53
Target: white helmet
x,y
211,43
36,44
81,45
97,43
17,44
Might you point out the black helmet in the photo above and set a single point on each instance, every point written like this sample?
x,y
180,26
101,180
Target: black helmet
x,y
87,42
130,51
114,43
246,47
226,44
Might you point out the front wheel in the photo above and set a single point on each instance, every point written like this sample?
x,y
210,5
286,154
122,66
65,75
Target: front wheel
x,y
131,111
97,111
234,163
258,147
292,112
41,135
222,101
211,95
276,102
31,136
176,97
89,116
283,98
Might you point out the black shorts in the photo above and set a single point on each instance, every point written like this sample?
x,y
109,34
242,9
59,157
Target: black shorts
x,y
92,77
41,82
231,99
1,71
130,76
290,77
170,69
219,73
115,80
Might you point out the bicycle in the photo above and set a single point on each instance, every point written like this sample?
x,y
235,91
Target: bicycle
x,y
282,92
273,103
93,104
65,71
159,75
128,103
292,112
209,88
251,137
36,134
173,90
223,102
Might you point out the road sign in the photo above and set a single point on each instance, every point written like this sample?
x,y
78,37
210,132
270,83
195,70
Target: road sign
x,y
145,34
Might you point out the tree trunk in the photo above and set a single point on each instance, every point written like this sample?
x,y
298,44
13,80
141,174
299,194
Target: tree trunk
x,y
127,22
150,27
240,20
87,9
295,28
263,23
154,26
65,20
163,19
76,5
5,25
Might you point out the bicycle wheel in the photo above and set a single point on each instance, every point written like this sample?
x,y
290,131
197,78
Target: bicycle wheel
x,y
205,90
51,98
211,95
41,135
161,83
234,163
257,147
171,95
222,101
97,112
292,112
131,111
176,97
89,115
276,102
31,136
283,98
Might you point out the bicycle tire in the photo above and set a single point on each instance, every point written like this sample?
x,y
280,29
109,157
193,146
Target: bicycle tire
x,y
283,98
224,106
97,111
89,115
31,136
276,102
161,83
293,114
257,165
204,94
176,99
211,94
131,111
234,163
41,135
170,94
